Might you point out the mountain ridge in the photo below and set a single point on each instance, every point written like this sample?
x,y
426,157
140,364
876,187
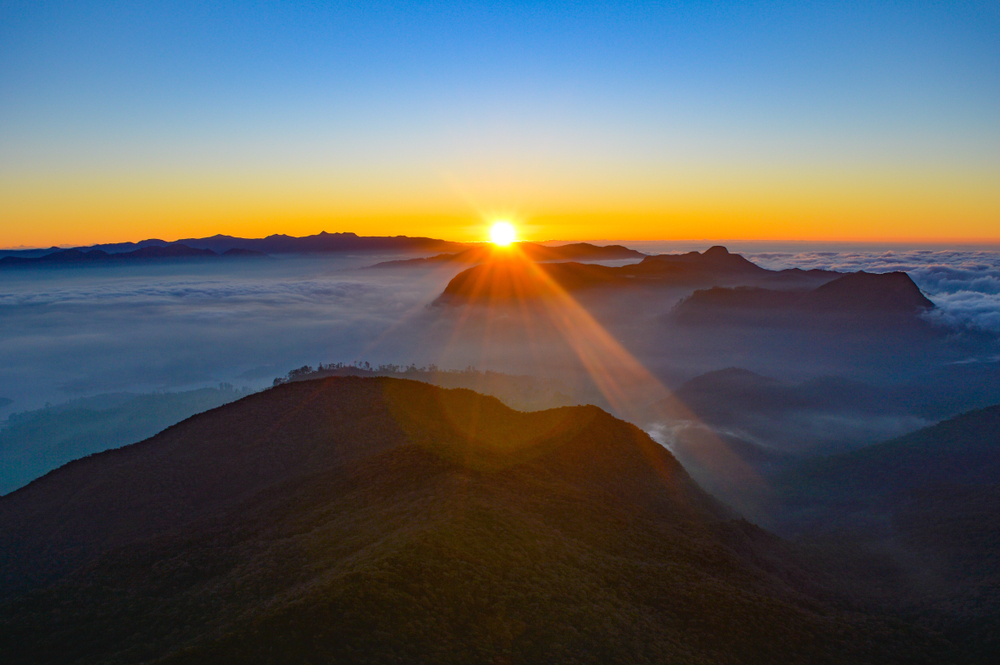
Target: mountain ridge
x,y
379,520
733,281
146,253
272,244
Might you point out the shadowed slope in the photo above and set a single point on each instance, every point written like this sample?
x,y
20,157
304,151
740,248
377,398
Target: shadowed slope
x,y
963,452
379,520
930,502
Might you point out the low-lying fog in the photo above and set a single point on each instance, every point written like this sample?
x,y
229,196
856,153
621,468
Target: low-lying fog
x,y
74,332
77,331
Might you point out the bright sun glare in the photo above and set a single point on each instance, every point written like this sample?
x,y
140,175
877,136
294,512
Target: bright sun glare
x,y
502,233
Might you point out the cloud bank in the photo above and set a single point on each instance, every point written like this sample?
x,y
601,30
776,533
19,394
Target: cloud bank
x,y
71,332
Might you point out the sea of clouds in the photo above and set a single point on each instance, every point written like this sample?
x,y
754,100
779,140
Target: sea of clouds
x,y
85,330
70,332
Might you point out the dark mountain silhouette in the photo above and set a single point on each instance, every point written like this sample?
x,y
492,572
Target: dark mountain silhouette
x,y
381,520
166,252
34,252
503,280
868,292
326,242
857,294
516,279
151,252
716,259
717,265
483,253
273,244
240,251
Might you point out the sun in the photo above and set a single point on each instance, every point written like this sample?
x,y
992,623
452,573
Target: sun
x,y
503,233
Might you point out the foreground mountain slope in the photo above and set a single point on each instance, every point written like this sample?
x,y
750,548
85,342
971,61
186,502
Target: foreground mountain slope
x,y
945,461
930,501
380,520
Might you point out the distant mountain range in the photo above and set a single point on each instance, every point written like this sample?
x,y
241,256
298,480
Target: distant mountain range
x,y
273,244
505,279
447,252
580,251
151,252
738,286
381,520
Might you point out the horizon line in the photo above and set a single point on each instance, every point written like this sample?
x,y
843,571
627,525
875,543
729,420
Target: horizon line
x,y
947,241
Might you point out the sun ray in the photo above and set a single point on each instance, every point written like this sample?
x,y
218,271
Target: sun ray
x,y
512,285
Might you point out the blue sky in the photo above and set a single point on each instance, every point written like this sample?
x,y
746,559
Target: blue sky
x,y
484,90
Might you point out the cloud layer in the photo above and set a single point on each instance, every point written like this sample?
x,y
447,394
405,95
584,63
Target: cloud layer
x,y
79,331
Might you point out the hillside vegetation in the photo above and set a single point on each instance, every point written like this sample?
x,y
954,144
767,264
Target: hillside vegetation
x,y
382,520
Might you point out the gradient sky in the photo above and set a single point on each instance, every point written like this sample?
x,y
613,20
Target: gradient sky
x,y
840,120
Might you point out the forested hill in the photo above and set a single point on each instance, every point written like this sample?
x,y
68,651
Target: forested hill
x,y
384,520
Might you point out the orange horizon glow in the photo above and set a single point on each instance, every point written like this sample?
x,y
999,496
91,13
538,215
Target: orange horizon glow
x,y
86,239
611,228
852,205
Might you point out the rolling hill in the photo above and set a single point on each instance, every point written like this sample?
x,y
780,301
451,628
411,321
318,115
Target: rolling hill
x,y
383,520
